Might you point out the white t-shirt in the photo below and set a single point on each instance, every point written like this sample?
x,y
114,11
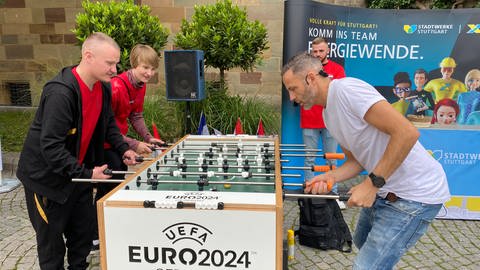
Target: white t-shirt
x,y
419,178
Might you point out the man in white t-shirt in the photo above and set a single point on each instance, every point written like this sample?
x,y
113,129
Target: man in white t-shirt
x,y
406,186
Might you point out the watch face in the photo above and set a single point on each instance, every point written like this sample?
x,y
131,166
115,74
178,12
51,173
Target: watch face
x,y
377,181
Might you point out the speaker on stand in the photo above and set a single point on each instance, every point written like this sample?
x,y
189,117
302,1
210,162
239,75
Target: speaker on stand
x,y
185,78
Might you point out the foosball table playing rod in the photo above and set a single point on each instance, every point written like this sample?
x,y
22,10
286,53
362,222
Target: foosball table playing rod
x,y
290,196
315,168
237,149
142,159
212,174
187,182
237,144
265,155
325,156
181,159
294,196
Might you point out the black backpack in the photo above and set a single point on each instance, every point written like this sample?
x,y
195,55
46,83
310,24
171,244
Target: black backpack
x,y
322,225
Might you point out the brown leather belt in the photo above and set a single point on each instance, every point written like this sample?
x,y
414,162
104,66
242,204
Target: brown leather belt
x,y
391,197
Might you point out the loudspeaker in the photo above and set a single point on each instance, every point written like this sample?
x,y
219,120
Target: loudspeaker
x,y
184,75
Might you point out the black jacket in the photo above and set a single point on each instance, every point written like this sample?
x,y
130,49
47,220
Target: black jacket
x,y
48,160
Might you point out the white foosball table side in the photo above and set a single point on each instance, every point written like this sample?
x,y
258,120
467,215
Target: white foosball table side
x,y
113,204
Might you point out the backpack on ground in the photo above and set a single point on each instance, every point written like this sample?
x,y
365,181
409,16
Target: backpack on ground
x,y
322,225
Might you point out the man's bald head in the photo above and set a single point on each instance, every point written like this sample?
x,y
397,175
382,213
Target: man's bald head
x,y
100,55
98,38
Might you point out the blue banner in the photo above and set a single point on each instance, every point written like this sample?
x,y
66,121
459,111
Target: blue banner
x,y
387,48
459,153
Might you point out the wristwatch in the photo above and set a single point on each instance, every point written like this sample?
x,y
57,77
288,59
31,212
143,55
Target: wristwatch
x,y
377,181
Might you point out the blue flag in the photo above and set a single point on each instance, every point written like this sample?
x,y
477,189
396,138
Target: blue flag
x,y
202,126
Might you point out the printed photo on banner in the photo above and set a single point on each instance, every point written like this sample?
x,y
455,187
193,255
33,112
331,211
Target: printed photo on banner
x,y
425,63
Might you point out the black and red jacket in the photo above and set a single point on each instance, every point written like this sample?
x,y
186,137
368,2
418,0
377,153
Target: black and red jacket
x,y
48,160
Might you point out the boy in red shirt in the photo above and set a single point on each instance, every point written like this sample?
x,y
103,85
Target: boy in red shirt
x,y
128,95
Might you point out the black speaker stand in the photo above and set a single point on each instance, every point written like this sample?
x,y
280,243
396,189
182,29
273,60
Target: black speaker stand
x,y
188,118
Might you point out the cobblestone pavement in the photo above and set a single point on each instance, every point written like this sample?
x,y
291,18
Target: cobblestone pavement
x,y
448,244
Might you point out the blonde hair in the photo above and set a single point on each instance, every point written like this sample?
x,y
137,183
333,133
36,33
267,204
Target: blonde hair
x,y
472,74
319,40
95,38
142,53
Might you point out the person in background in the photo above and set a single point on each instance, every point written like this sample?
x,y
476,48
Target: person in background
x,y
445,112
469,101
128,95
446,86
65,141
472,80
402,89
311,120
405,188
422,102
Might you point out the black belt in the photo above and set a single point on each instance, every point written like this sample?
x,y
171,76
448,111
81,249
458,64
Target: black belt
x,y
391,197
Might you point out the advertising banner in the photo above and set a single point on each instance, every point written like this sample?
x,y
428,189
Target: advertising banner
x,y
424,62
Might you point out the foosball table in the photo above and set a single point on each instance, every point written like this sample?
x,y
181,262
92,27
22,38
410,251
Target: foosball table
x,y
206,202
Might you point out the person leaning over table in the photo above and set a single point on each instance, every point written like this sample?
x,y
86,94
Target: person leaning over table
x,y
65,141
406,186
128,96
311,121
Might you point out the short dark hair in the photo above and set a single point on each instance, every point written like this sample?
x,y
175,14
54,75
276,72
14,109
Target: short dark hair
x,y
421,71
401,77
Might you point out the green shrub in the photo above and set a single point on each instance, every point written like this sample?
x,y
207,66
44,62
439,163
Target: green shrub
x,y
163,113
226,36
222,112
14,126
127,23
220,109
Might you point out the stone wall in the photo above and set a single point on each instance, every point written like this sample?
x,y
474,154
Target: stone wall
x,y
36,41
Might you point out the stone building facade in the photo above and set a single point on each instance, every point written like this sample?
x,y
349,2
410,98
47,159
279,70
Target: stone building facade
x,y
36,41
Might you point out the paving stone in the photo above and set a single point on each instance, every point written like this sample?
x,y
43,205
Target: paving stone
x,y
448,244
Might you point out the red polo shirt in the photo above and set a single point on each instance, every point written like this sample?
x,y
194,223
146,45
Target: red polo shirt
x,y
313,118
91,108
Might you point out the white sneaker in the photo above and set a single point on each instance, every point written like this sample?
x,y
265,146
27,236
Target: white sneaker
x,y
95,246
341,205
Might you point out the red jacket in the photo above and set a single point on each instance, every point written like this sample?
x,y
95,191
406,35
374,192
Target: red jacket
x,y
313,118
127,105
126,100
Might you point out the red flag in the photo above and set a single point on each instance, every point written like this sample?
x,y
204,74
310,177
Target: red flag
x,y
260,131
156,135
238,127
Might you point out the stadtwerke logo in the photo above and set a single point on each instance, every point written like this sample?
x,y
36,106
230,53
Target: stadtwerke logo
x,y
427,29
474,29
409,28
436,154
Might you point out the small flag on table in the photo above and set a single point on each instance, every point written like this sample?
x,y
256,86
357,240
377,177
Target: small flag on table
x,y
156,135
260,130
202,126
238,127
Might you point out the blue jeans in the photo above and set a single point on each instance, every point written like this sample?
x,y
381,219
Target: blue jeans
x,y
388,229
311,137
